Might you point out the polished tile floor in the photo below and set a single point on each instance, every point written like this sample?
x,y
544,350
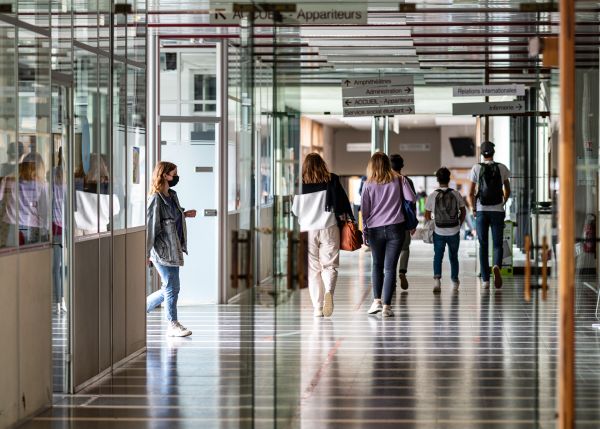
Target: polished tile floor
x,y
472,359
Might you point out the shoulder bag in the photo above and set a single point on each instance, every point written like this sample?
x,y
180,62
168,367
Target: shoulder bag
x,y
410,217
350,237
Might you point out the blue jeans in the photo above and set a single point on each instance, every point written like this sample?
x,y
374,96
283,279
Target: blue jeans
x,y
439,246
169,291
485,220
386,243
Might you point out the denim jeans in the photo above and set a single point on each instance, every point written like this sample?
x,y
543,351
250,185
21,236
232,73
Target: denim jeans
x,y
485,220
439,246
170,291
386,244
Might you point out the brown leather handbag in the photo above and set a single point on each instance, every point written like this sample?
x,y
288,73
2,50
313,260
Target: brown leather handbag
x,y
351,238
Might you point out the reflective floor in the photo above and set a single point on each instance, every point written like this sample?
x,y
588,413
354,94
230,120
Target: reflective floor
x,y
472,359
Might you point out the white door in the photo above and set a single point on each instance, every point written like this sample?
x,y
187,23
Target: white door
x,y
195,156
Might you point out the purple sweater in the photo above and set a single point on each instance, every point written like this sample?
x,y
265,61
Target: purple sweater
x,y
381,204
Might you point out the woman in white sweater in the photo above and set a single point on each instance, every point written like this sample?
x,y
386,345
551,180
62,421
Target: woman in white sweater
x,y
322,204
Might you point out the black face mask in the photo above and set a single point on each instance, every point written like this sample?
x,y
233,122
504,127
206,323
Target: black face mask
x,y
173,182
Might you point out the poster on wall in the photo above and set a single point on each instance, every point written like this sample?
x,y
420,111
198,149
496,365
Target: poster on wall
x,y
135,168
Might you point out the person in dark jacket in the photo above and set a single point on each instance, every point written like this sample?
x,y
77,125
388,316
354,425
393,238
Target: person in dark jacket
x,y
166,242
397,165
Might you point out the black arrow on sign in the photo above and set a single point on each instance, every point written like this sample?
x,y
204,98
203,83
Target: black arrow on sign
x,y
519,107
348,103
407,90
347,82
219,14
410,110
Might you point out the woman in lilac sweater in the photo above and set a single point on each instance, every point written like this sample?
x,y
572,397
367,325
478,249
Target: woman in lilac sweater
x,y
383,221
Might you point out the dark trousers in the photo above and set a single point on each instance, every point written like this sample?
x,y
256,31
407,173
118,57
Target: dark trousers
x,y
485,220
386,243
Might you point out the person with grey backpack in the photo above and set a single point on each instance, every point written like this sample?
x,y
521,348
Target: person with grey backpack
x,y
449,211
489,192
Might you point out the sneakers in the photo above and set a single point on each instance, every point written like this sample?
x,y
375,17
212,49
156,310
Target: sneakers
x,y
497,277
318,312
328,304
376,307
403,281
387,311
486,285
437,286
455,285
178,330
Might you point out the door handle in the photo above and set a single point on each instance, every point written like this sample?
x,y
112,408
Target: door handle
x,y
236,240
544,268
527,268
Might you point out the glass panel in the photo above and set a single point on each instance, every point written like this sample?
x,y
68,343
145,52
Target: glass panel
x,y
103,148
136,147
90,169
10,149
119,146
61,132
34,213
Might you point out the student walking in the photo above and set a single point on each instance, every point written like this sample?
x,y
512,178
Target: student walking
x,y
166,242
489,191
397,163
449,211
320,208
384,227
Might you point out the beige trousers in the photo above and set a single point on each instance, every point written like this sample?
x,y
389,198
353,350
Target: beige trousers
x,y
323,261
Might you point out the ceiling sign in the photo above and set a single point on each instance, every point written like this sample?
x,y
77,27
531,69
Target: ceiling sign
x,y
302,14
382,96
500,108
380,111
488,90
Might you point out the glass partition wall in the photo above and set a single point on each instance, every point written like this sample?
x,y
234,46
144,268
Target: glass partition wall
x,y
72,165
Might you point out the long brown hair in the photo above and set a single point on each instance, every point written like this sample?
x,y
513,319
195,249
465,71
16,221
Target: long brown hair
x,y
158,181
379,169
32,168
314,169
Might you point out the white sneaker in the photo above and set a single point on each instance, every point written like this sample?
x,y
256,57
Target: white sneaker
x,y
328,304
178,330
318,312
486,285
387,311
437,285
455,285
376,307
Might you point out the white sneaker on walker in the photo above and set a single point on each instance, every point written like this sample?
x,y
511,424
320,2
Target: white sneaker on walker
x,y
328,304
178,330
387,311
376,307
455,285
437,286
318,312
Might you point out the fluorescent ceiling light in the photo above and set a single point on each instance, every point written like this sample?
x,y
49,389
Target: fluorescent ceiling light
x,y
354,32
372,43
395,52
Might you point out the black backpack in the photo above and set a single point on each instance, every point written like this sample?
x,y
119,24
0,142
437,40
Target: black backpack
x,y
447,212
490,185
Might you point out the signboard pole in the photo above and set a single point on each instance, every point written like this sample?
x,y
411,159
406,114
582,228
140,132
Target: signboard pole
x,y
386,134
374,123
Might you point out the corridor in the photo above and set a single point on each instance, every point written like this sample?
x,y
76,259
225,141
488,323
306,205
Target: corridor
x,y
472,359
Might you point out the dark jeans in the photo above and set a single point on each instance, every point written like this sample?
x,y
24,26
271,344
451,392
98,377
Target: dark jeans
x,y
439,247
386,243
485,220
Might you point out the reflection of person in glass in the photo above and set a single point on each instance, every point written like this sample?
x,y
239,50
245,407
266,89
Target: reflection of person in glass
x,y
58,199
166,242
33,200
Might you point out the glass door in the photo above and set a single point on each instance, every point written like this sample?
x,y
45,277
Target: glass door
x,y
61,236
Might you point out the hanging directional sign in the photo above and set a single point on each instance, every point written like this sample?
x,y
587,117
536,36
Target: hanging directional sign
x,y
488,90
304,14
378,101
380,111
507,107
382,96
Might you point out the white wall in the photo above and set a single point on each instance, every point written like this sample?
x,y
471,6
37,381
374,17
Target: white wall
x,y
447,156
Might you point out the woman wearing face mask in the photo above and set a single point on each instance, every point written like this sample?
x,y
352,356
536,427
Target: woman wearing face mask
x,y
166,242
